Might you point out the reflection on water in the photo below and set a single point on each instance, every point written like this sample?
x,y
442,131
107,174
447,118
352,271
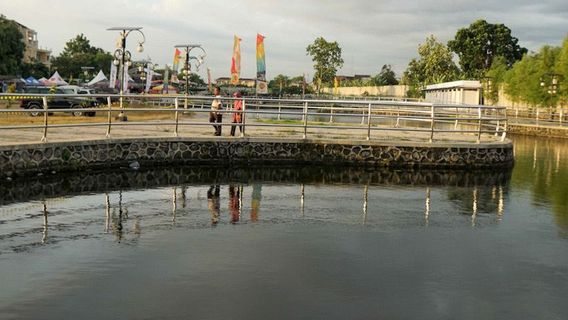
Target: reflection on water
x,y
539,169
314,242
354,196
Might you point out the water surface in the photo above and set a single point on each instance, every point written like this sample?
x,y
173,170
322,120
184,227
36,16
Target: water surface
x,y
281,243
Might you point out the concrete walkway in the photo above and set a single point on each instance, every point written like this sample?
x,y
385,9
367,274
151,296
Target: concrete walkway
x,y
197,126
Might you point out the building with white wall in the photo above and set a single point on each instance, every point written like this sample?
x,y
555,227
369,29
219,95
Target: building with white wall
x,y
455,92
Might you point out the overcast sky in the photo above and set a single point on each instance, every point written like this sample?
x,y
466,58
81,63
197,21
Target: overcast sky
x,y
370,32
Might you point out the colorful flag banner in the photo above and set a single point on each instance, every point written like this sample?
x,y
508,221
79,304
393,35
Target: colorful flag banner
x,y
260,58
113,75
177,57
236,61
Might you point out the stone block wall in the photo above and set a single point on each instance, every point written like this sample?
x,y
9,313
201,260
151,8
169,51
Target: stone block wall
x,y
71,156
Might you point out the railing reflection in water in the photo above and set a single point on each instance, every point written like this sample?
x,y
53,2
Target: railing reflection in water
x,y
353,196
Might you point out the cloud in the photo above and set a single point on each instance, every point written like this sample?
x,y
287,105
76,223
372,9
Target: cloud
x,y
370,32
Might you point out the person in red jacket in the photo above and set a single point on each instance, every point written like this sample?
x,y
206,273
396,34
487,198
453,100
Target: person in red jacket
x,y
237,116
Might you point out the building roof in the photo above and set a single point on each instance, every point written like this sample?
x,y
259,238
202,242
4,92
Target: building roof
x,y
461,84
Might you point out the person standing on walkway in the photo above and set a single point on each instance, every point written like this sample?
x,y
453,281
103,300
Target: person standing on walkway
x,y
215,117
237,117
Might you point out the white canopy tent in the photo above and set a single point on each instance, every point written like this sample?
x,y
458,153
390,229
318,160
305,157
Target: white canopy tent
x,y
56,79
98,78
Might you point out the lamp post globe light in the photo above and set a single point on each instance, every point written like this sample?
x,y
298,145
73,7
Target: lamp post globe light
x,y
123,59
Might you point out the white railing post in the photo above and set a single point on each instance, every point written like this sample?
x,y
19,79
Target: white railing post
x,y
331,115
561,115
537,115
369,122
109,116
176,104
432,122
305,119
479,115
243,119
45,118
397,124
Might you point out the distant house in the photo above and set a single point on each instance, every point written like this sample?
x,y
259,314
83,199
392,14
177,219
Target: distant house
x,y
243,82
33,52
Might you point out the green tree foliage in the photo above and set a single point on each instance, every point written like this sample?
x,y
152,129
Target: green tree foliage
x,y
562,69
480,43
386,77
78,53
35,69
11,47
434,65
327,59
495,78
523,81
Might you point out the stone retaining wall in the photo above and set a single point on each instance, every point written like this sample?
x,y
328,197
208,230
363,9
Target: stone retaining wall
x,y
539,131
69,156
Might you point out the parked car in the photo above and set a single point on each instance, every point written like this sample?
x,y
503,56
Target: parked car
x,y
36,103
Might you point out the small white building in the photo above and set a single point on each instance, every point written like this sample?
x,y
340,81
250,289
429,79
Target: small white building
x,y
458,92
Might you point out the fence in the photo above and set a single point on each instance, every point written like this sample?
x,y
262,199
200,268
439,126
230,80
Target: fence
x,y
309,118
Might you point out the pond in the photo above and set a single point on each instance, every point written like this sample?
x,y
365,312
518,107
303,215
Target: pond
x,y
285,242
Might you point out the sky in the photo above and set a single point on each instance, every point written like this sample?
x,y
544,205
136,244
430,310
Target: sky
x,y
371,33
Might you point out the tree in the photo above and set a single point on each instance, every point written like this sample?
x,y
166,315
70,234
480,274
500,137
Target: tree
x,y
562,69
327,59
434,65
496,74
386,77
11,47
78,53
35,69
480,43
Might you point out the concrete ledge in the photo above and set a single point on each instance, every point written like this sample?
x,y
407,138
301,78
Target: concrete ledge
x,y
538,131
79,155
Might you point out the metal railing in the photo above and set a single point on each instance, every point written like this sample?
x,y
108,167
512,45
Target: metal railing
x,y
309,118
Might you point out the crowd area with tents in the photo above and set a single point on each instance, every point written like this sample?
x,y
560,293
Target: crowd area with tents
x,y
100,83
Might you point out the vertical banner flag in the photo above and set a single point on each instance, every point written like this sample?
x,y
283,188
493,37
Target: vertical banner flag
x,y
165,88
261,86
209,80
175,68
236,61
149,76
112,76
125,79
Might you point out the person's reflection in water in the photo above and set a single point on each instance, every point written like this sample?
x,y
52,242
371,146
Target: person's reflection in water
x,y
255,202
213,203
234,203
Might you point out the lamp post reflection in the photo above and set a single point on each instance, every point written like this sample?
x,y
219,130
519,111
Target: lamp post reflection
x,y
427,207
474,207
365,203
174,205
302,198
44,232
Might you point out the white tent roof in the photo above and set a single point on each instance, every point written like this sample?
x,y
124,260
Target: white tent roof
x,y
98,78
57,79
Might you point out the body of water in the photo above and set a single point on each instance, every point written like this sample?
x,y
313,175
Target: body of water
x,y
290,243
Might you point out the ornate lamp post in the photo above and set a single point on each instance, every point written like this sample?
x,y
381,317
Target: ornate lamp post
x,y
144,69
187,66
122,58
550,82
